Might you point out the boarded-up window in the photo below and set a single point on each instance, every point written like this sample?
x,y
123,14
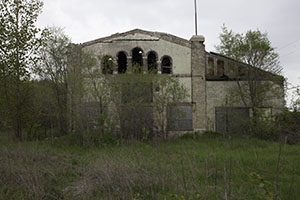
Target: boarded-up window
x,y
179,118
220,68
135,120
210,70
230,119
241,71
90,112
231,70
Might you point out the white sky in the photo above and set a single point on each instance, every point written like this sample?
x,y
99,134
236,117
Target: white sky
x,y
85,20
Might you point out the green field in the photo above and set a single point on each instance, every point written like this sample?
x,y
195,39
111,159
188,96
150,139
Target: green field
x,y
203,167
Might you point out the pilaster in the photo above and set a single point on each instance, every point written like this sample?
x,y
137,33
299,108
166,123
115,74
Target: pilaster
x,y
198,82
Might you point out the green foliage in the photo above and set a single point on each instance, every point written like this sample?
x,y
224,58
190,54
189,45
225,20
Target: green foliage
x,y
263,185
53,69
18,46
138,93
288,122
296,100
212,135
253,48
264,126
203,135
191,136
168,90
261,83
147,170
35,173
104,133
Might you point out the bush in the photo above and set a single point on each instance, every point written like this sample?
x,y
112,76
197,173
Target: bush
x,y
204,135
188,136
288,122
212,134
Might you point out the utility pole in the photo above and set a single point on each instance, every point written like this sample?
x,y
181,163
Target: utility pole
x,y
196,22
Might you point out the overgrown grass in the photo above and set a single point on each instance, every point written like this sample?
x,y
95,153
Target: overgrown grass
x,y
192,167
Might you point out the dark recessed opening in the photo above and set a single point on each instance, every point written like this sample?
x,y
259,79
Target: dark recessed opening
x,y
137,57
166,65
122,62
152,62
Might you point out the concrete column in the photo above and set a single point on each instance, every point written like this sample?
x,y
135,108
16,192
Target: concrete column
x,y
159,67
129,62
215,67
115,66
198,82
145,62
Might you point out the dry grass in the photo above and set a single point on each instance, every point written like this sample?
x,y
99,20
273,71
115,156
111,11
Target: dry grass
x,y
31,173
180,169
111,177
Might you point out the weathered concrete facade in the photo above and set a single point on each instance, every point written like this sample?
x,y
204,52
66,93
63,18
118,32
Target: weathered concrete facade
x,y
209,77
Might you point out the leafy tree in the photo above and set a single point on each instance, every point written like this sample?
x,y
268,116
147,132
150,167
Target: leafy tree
x,y
131,94
97,82
18,42
262,81
43,118
168,90
53,68
253,48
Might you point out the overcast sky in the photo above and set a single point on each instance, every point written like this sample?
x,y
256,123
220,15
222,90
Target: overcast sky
x,y
85,20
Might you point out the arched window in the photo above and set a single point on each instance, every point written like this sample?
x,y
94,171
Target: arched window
x,y
166,65
152,62
122,62
137,56
107,64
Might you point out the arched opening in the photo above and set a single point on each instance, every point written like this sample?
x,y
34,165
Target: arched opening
x,y
152,62
166,65
107,64
137,56
122,62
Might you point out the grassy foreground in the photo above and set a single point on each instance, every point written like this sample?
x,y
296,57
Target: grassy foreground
x,y
201,168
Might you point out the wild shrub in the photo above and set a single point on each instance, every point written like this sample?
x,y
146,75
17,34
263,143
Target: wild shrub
x,y
264,126
289,123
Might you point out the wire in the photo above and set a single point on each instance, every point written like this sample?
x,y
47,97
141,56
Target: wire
x,y
288,44
291,53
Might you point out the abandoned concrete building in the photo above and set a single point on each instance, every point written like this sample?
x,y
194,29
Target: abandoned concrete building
x,y
209,77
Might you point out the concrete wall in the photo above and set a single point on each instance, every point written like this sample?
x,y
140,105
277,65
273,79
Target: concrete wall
x,y
190,64
225,93
217,92
181,55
